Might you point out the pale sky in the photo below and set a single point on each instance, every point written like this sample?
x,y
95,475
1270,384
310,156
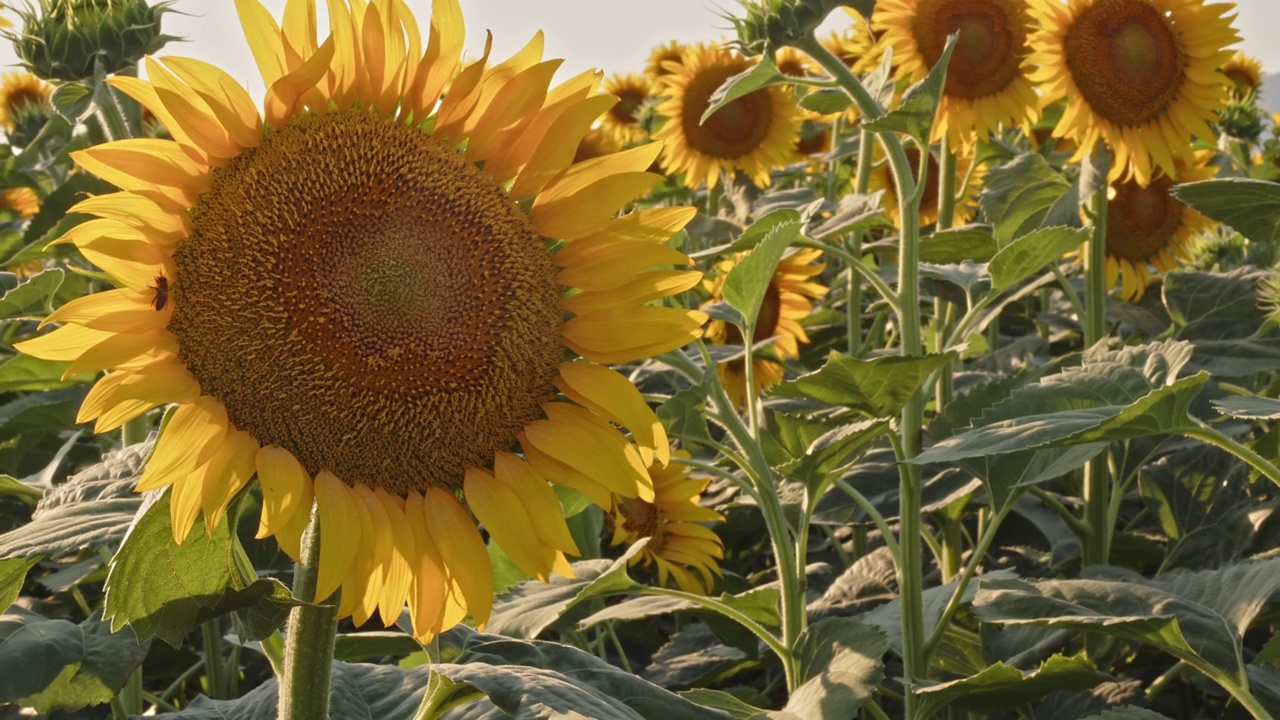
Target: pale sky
x,y
613,35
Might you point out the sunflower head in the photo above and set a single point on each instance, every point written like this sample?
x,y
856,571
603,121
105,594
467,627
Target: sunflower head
x,y
623,120
856,46
1149,230
21,202
672,52
1140,75
24,105
1245,74
596,143
64,39
395,306
755,133
680,543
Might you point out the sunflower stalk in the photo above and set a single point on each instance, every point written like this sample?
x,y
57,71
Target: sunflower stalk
x,y
861,183
308,661
944,310
1097,481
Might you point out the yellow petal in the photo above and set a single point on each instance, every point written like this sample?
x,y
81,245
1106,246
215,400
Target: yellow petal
x,y
143,163
376,554
124,310
136,264
541,505
404,551
190,438
587,194
509,112
286,498
462,551
339,533
264,38
146,95
140,210
461,99
591,446
655,225
63,344
444,46
606,264
430,588
285,95
235,463
505,519
611,396
557,145
125,394
638,290
618,337
119,350
562,474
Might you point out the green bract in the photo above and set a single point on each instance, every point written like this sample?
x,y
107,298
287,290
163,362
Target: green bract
x,y
64,39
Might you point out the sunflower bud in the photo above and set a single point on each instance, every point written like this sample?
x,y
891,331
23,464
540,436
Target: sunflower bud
x,y
63,39
1241,119
771,24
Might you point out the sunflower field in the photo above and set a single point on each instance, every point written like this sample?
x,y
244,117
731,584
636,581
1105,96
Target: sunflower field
x,y
886,359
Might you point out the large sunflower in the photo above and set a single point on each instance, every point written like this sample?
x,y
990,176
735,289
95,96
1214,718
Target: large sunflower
x,y
339,299
1148,228
787,301
1245,74
673,522
621,120
987,85
19,90
1140,75
968,184
755,133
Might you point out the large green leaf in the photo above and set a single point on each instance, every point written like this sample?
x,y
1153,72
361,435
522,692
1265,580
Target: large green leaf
x,y
694,657
854,214
32,299
1214,306
874,388
1183,628
970,242
527,609
1252,207
832,451
56,664
1249,407
761,75
1129,712
24,373
684,415
745,286
163,589
1025,194
760,604
92,508
1030,253
1116,395
840,666
1005,686
914,115
13,573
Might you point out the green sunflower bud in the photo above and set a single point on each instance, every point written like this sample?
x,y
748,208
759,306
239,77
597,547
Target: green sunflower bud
x,y
63,39
1242,119
27,121
771,24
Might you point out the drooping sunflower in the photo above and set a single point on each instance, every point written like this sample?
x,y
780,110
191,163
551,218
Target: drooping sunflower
x,y
1149,230
679,543
342,301
1245,74
621,119
968,184
1140,75
18,90
672,52
755,133
787,301
987,87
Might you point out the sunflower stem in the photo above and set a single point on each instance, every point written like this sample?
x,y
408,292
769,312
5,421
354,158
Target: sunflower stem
x,y
134,431
1213,436
211,635
853,309
1097,481
944,310
308,650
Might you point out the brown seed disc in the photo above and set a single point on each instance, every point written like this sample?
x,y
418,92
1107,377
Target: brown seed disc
x,y
1141,220
988,54
359,294
1126,60
735,130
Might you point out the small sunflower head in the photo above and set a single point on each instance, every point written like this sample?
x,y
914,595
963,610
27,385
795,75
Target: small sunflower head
x,y
1242,119
772,24
64,39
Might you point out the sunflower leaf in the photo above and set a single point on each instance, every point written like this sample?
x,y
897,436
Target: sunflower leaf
x,y
876,388
163,589
1249,408
763,74
915,115
745,286
13,573
1024,194
839,662
33,298
1006,686
528,608
1251,207
57,664
1030,253
826,102
948,247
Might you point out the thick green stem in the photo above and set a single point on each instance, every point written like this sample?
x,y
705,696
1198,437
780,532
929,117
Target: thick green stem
x,y
944,310
853,309
1213,436
308,650
135,431
1097,481
211,633
970,569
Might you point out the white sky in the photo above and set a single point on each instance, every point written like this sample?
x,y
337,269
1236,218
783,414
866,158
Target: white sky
x,y
614,35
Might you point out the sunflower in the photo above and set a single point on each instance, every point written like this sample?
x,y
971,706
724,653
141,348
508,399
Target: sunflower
x,y
339,299
1147,227
791,62
857,46
755,133
1140,75
968,184
787,301
621,119
814,137
1245,74
594,144
987,85
18,90
678,541
21,201
672,52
